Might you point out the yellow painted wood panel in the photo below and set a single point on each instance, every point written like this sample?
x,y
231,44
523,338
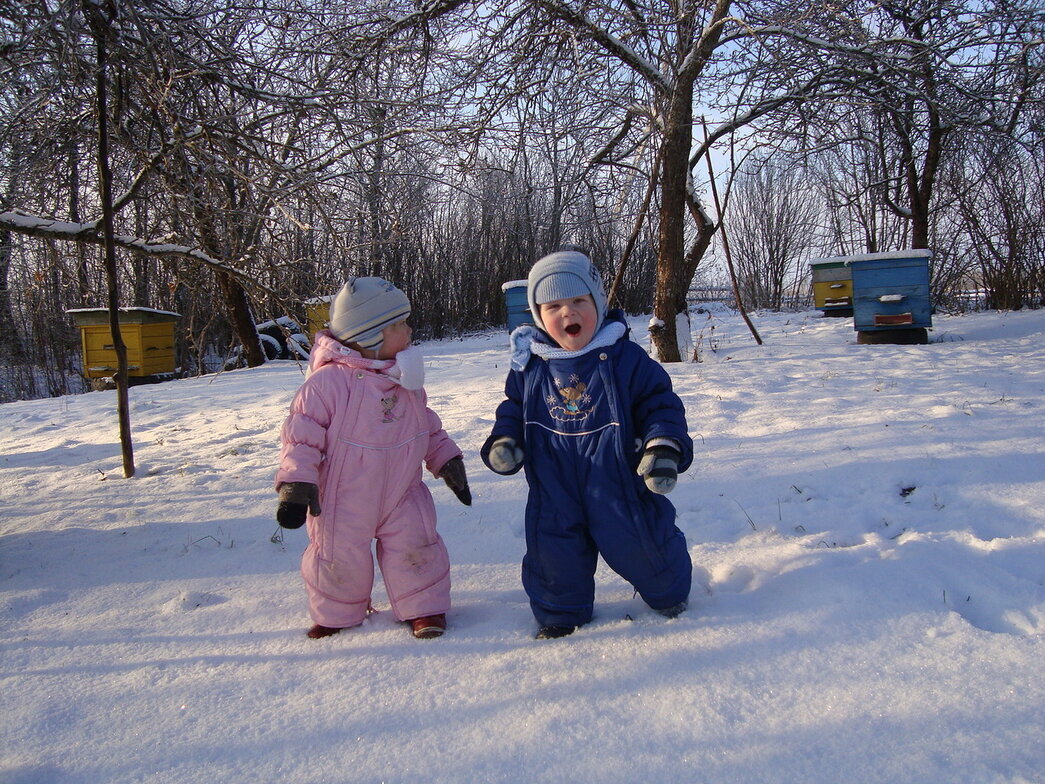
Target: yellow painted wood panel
x,y
833,290
150,349
317,314
155,362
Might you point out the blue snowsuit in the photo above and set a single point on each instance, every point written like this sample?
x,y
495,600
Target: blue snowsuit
x,y
582,422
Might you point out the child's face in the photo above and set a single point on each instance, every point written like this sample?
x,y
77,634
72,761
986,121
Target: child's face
x,y
570,321
396,337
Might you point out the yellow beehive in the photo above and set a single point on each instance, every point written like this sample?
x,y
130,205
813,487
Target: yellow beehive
x,y
317,314
147,333
832,285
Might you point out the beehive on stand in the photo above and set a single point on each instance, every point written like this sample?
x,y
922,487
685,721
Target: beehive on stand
x,y
147,333
832,286
891,297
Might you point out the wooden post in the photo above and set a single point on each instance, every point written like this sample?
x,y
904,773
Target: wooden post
x,y
725,242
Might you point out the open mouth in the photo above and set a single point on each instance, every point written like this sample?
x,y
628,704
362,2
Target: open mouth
x,y
573,330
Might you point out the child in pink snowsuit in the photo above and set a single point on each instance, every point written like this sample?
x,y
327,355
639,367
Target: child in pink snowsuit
x,y
352,449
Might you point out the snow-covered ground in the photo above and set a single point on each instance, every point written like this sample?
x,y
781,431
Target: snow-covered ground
x,y
866,524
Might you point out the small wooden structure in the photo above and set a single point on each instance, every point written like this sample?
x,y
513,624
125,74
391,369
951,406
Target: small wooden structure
x,y
317,315
147,333
891,297
515,301
832,286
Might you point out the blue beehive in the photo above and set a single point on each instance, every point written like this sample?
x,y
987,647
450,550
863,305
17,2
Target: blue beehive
x,y
891,296
515,301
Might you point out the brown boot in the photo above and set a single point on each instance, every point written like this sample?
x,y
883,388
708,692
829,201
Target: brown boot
x,y
318,632
429,627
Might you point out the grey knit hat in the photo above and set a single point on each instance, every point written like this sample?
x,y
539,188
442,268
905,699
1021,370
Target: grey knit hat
x,y
363,308
562,275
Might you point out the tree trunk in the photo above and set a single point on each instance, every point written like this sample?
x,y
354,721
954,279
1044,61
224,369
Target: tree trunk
x,y
706,229
672,284
242,318
237,304
921,188
100,27
83,285
12,347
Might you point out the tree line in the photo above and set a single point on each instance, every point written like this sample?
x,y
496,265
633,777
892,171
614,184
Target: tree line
x,y
262,151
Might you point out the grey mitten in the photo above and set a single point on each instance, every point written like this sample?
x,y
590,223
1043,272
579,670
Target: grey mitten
x,y
295,499
456,479
504,455
659,468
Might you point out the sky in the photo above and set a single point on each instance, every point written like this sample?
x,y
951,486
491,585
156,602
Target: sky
x,y
865,521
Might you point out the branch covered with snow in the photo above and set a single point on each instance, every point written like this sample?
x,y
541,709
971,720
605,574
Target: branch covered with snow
x,y
90,232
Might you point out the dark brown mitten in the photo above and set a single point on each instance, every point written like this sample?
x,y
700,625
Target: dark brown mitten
x,y
456,479
295,499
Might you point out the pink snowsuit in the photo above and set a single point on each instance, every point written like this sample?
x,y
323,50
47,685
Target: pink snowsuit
x,y
361,437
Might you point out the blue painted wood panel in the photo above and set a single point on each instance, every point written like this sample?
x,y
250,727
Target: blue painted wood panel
x,y
891,291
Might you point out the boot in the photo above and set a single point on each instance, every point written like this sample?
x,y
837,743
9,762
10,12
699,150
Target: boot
x,y
554,632
674,611
429,627
318,632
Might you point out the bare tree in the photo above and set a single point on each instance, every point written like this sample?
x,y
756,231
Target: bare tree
x,y
103,21
667,46
918,79
278,147
773,225
12,348
857,218
1001,203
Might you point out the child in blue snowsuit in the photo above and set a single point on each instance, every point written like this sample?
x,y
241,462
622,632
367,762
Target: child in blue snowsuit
x,y
601,435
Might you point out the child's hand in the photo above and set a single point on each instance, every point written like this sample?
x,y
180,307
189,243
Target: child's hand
x,y
295,498
504,456
456,479
659,468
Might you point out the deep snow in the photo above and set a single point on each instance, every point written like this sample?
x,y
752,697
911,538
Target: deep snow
x,y
866,524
